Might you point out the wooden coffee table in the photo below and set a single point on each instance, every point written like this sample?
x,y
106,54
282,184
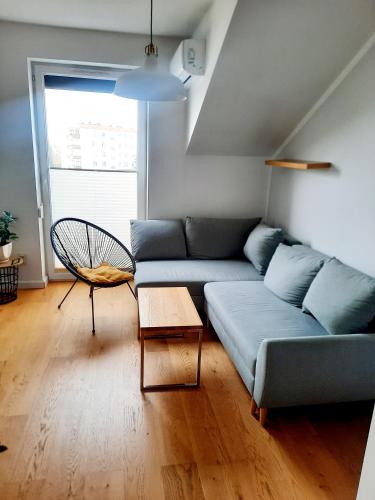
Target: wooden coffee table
x,y
166,313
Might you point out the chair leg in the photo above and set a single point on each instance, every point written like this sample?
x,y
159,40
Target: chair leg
x,y
132,291
92,309
70,289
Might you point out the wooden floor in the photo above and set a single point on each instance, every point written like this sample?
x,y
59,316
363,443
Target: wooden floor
x,y
77,426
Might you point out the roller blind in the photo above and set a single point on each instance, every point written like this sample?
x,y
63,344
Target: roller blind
x,y
79,84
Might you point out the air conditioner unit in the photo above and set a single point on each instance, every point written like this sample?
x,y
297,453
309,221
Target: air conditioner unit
x,y
189,59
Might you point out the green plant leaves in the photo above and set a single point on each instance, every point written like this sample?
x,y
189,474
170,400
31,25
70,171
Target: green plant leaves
x,y
6,220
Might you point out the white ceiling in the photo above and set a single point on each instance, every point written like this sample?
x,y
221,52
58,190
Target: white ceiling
x,y
171,17
278,58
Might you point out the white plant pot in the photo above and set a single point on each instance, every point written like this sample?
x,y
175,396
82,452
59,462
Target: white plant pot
x,y
5,252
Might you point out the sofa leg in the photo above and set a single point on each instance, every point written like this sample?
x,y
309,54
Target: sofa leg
x,y
253,407
263,416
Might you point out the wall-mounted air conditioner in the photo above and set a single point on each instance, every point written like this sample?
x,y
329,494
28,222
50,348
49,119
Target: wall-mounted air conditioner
x,y
189,59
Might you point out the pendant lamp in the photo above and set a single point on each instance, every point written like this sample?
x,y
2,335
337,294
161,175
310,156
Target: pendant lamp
x,y
149,82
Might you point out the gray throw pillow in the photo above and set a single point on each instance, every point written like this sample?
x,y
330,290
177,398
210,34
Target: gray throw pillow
x,y
341,298
157,239
291,272
261,245
217,238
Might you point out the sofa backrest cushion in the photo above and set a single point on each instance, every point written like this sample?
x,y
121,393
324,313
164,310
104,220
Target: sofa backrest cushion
x,y
291,272
341,298
217,238
261,245
290,240
306,250
157,239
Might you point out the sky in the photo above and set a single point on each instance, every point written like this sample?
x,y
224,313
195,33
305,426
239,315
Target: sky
x,y
67,107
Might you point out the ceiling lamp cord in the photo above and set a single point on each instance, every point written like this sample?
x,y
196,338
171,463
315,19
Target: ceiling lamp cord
x,y
151,15
151,48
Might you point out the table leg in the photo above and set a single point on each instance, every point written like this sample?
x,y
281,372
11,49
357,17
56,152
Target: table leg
x,y
200,335
142,358
139,327
168,387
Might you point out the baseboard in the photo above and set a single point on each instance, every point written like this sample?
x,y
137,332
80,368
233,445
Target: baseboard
x,y
33,284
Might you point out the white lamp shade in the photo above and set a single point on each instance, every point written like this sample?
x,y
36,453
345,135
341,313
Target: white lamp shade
x,y
150,84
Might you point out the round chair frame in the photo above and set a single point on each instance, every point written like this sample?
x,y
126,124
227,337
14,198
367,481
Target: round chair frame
x,y
95,247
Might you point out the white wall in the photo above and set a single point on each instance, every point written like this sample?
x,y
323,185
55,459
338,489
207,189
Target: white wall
x,y
183,184
179,185
334,210
212,29
366,490
271,69
17,179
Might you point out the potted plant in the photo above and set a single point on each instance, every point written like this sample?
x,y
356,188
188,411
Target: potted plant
x,y
6,236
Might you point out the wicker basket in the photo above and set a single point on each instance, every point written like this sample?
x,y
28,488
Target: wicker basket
x,y
8,282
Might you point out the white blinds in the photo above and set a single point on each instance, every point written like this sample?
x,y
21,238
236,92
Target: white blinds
x,y
108,199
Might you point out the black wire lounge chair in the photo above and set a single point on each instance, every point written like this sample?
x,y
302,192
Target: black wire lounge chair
x,y
80,244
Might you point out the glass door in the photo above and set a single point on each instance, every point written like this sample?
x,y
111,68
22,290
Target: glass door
x,y
92,165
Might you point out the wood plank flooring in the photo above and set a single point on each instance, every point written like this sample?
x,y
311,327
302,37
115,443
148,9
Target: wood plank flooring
x,y
77,426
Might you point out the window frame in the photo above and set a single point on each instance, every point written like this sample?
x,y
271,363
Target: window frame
x,y
38,68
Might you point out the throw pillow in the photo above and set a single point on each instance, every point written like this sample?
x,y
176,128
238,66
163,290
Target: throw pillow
x,y
291,272
261,245
341,298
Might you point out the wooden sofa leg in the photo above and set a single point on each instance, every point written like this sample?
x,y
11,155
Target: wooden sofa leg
x,y
253,407
263,416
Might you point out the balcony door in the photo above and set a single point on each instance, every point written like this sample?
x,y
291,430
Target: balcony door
x,y
91,152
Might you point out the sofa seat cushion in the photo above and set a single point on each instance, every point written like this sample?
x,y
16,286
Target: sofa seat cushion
x,y
250,313
193,274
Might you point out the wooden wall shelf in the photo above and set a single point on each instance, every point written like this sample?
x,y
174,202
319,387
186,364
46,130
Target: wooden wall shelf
x,y
298,164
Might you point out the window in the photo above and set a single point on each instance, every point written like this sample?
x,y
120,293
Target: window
x,y
77,121
86,174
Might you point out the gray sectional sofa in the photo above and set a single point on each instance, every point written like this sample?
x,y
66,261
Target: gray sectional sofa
x,y
294,322
192,253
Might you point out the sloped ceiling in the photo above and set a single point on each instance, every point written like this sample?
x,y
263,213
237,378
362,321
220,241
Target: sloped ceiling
x,y
278,58
171,17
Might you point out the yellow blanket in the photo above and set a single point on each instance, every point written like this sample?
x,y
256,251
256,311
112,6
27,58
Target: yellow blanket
x,y
105,273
